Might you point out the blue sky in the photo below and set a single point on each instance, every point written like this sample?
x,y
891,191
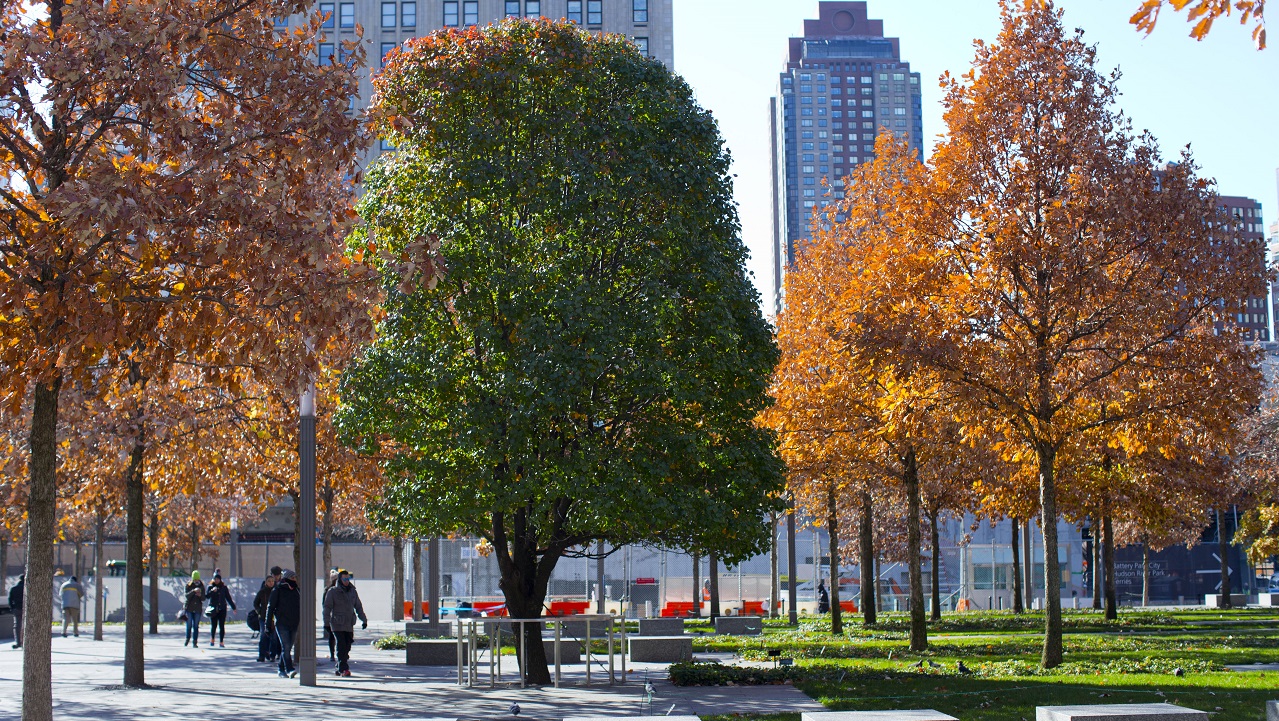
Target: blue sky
x,y
1220,96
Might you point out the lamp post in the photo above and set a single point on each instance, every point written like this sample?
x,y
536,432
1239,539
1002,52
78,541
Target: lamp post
x,y
306,507
792,570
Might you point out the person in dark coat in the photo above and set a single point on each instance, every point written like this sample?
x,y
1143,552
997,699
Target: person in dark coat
x,y
15,605
284,609
193,607
219,597
341,607
823,598
328,632
268,642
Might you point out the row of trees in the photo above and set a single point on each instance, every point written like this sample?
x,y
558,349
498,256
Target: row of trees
x,y
1036,322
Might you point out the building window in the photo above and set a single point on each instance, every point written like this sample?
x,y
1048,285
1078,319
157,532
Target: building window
x,y
327,11
899,111
346,15
388,15
639,11
533,8
575,11
642,44
594,12
386,50
807,169
326,53
408,15
450,14
471,12
512,8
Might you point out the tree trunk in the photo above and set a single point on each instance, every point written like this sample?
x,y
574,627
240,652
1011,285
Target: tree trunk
x,y
525,577
936,569
154,620
99,566
1108,562
832,527
713,575
774,578
1098,570
195,540
697,585
1145,575
1052,652
135,513
326,530
1223,551
397,578
1017,607
918,620
42,516
417,578
866,544
601,596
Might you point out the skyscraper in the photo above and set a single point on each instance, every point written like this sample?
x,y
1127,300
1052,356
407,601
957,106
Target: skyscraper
x,y
843,82
388,23
1255,318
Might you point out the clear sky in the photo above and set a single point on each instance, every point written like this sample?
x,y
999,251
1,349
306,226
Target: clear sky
x,y
1220,96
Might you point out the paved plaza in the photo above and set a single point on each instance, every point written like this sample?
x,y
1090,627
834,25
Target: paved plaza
x,y
212,684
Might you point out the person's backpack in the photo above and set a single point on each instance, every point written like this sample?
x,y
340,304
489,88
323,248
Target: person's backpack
x,y
252,621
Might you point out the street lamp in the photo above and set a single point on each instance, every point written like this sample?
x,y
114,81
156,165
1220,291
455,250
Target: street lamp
x,y
306,507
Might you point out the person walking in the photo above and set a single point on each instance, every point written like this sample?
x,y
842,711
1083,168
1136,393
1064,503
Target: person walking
x,y
219,597
15,606
194,608
823,598
268,642
284,609
328,632
72,593
341,607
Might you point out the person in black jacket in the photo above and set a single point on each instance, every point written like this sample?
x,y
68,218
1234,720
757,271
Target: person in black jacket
x,y
15,605
219,597
284,609
268,642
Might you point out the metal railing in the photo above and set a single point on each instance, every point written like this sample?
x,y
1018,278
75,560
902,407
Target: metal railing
x,y
470,657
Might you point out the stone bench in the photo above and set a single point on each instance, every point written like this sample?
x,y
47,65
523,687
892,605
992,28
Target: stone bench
x,y
909,715
1237,600
1127,711
428,630
661,626
1269,600
443,652
660,649
739,625
577,629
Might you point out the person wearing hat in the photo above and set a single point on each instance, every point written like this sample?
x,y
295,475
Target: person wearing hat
x,y
71,593
219,598
15,605
328,632
193,608
284,610
341,607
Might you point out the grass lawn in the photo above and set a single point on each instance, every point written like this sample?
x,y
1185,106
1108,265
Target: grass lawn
x,y
1133,660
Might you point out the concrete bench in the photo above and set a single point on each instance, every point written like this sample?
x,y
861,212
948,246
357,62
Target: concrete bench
x,y
577,629
1269,600
443,652
739,625
661,626
909,715
1272,710
1237,600
630,718
660,649
1126,711
428,630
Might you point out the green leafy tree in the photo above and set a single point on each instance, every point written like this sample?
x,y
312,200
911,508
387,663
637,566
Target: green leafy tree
x,y
572,350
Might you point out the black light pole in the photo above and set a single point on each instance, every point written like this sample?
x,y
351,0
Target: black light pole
x,y
792,570
306,507
433,559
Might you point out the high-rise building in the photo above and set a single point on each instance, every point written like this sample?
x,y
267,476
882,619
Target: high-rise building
x,y
842,84
1255,316
388,23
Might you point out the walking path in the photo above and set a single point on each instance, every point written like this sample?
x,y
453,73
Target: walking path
x,y
227,684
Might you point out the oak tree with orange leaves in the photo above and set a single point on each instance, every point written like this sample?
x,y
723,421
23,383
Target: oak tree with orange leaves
x,y
1203,13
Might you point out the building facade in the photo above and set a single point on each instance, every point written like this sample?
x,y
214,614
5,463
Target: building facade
x,y
843,82
1255,316
387,24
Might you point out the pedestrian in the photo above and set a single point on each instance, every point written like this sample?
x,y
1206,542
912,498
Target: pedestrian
x,y
72,593
823,598
268,642
341,607
285,609
193,609
219,597
328,632
15,606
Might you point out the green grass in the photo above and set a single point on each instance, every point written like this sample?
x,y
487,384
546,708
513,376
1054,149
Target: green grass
x,y
1128,661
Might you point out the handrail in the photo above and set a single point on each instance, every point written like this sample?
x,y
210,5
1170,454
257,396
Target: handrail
x,y
468,654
